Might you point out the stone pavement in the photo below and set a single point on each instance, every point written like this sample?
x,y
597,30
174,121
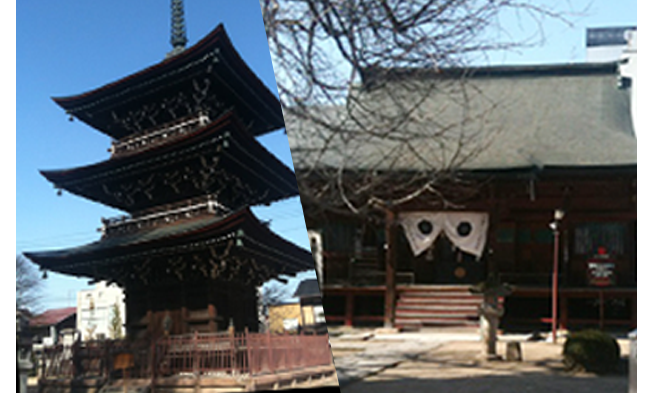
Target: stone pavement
x,y
361,354
448,361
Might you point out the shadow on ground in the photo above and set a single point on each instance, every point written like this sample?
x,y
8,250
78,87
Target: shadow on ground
x,y
440,374
525,382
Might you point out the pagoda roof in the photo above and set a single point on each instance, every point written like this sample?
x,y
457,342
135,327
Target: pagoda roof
x,y
207,77
238,234
222,158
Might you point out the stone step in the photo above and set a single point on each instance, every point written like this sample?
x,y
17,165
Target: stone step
x,y
440,301
409,322
432,294
429,315
450,298
439,288
437,308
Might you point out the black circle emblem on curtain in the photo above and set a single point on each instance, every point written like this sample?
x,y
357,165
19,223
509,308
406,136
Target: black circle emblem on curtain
x,y
464,228
425,227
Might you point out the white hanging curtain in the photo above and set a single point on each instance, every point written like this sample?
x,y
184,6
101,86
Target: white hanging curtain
x,y
467,231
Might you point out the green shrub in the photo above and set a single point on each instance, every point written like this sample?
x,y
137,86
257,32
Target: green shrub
x,y
591,351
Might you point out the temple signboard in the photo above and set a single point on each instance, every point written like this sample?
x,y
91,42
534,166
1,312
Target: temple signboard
x,y
601,269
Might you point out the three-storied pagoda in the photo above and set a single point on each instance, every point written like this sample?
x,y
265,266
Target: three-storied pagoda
x,y
185,166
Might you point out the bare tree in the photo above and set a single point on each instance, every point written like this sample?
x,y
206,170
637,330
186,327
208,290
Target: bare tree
x,y
28,285
116,322
272,294
358,108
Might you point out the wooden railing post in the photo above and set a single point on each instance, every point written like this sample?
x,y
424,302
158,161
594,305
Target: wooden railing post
x,y
153,364
106,357
270,353
248,361
233,357
75,358
196,367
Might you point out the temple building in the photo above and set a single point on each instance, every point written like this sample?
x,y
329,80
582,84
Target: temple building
x,y
546,192
185,167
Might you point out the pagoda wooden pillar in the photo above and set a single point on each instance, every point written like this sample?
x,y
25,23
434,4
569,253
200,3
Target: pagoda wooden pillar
x,y
390,228
150,317
184,310
212,326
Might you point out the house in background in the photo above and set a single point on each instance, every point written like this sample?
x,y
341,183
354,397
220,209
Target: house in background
x,y
306,315
95,311
23,333
24,363
47,328
284,317
311,305
23,326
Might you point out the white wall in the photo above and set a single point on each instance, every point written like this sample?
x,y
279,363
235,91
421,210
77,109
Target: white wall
x,y
94,310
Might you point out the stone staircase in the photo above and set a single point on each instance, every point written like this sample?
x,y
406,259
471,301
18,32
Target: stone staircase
x,y
425,306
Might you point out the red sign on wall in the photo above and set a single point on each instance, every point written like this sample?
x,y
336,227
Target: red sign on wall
x,y
601,269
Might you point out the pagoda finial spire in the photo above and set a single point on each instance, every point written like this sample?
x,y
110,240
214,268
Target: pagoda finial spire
x,y
178,28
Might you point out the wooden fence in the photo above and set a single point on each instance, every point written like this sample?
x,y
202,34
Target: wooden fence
x,y
219,354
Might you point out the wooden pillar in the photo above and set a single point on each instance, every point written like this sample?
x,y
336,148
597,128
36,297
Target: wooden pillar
x,y
252,320
601,308
350,308
183,309
130,313
563,311
151,329
211,307
633,307
390,292
492,240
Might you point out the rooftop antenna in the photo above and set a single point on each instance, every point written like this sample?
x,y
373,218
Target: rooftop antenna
x,y
178,28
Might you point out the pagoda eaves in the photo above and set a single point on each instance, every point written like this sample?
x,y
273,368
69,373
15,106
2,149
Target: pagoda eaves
x,y
235,247
221,159
209,77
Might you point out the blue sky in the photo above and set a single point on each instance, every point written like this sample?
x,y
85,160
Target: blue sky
x,y
71,46
565,42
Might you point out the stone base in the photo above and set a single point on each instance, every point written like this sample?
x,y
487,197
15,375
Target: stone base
x,y
485,357
386,331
